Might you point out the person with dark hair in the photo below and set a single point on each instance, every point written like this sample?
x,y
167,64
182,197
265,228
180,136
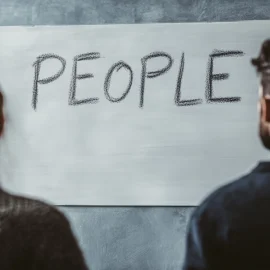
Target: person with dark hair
x,y
230,229
33,234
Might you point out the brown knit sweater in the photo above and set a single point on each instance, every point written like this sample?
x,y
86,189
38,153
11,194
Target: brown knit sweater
x,y
36,236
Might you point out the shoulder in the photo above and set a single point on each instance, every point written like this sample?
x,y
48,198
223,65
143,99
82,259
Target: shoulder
x,y
47,214
32,222
219,204
32,211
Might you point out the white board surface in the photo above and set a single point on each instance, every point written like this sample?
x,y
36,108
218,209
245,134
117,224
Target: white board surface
x,y
138,148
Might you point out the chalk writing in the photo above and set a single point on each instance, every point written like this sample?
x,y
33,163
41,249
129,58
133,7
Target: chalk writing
x,y
177,96
117,66
218,77
75,77
37,81
152,74
145,74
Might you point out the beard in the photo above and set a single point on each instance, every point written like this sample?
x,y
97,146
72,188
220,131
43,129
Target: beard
x,y
265,134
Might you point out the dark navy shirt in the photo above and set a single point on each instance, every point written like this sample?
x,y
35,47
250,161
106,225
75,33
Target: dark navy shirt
x,y
231,228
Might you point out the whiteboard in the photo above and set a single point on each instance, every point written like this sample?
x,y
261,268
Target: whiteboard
x,y
154,114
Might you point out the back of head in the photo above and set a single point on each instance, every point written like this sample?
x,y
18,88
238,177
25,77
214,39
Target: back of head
x,y
262,64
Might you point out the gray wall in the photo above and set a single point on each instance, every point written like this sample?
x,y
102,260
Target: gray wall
x,y
130,238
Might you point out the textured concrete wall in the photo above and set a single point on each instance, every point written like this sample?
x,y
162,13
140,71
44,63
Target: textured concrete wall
x,y
131,238
135,237
51,12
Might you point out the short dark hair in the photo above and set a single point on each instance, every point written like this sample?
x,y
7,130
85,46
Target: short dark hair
x,y
262,65
262,62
